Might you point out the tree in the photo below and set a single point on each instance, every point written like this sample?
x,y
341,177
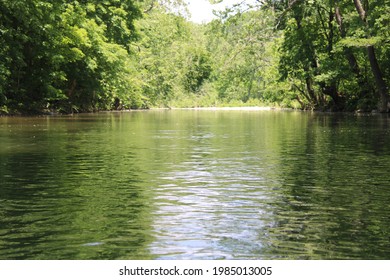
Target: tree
x,y
241,47
318,42
65,54
371,52
89,55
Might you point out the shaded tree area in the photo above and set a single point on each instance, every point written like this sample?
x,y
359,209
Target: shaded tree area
x,y
335,53
76,56
68,55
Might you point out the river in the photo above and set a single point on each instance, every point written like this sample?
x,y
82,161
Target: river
x,y
187,184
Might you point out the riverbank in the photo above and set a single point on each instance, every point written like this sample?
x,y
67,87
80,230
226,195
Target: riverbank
x,y
236,108
214,108
247,108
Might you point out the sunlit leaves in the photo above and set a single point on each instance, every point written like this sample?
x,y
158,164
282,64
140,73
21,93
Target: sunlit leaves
x,y
241,47
66,51
360,42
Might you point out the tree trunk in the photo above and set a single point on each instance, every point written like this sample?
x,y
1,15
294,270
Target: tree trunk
x,y
310,90
308,78
376,71
360,10
380,82
338,100
72,88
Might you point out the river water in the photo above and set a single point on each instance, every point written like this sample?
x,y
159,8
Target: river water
x,y
185,184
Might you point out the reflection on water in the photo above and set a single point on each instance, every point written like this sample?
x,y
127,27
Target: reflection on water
x,y
195,185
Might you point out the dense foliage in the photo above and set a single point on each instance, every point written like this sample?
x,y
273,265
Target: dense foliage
x,y
335,53
73,56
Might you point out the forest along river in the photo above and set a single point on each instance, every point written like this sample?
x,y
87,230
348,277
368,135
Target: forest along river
x,y
185,184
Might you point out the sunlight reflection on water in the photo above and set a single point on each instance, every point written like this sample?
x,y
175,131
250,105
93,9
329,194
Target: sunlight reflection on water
x,y
195,185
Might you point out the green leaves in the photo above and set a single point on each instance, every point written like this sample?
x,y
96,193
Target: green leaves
x,y
359,42
92,54
65,51
198,71
241,48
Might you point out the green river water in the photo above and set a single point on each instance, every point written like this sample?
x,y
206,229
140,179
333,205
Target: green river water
x,y
182,184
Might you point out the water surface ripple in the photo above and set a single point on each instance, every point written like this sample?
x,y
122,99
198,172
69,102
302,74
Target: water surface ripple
x,y
195,185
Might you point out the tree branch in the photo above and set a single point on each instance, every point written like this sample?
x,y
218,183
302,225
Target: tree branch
x,y
150,7
360,10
